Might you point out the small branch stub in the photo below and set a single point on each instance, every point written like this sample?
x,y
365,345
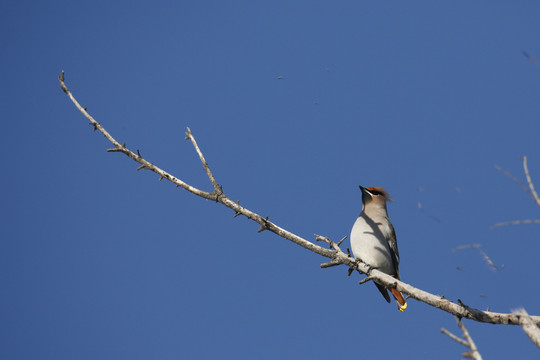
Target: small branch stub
x,y
365,280
340,241
237,212
264,226
330,264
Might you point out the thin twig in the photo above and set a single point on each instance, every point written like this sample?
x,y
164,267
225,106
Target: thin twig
x,y
468,246
467,342
532,331
123,149
529,181
530,191
331,244
474,354
342,239
488,260
216,186
515,222
336,255
264,222
454,337
513,178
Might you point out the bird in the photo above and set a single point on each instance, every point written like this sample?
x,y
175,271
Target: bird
x,y
373,239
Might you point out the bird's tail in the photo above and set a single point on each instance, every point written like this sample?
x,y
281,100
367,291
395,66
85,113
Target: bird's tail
x,y
402,304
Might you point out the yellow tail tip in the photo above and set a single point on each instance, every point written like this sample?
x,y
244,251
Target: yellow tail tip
x,y
403,307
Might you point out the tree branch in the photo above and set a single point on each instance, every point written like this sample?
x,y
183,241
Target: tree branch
x,y
217,187
530,328
455,337
467,342
513,179
531,191
529,181
515,222
334,253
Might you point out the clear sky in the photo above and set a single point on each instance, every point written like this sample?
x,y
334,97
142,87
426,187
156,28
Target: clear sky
x,y
99,261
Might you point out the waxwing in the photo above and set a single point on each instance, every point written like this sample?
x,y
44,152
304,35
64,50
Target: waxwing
x,y
373,239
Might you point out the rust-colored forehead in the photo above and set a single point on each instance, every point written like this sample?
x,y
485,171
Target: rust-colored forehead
x,y
381,190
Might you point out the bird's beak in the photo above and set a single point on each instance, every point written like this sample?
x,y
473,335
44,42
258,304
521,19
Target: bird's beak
x,y
364,190
366,196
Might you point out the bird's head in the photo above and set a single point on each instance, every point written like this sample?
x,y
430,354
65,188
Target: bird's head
x,y
376,195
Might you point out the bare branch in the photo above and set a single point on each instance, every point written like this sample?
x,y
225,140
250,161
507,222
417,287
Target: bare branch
x,y
488,260
532,330
343,239
474,354
217,187
467,246
123,149
336,255
332,244
454,337
531,191
513,179
515,222
529,181
467,342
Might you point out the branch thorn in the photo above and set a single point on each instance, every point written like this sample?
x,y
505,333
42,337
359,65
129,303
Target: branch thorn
x,y
364,280
263,226
340,241
236,212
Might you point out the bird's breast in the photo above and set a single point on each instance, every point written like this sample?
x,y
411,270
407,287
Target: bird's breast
x,y
369,243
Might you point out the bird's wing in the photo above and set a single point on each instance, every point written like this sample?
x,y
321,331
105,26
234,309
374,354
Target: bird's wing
x,y
394,252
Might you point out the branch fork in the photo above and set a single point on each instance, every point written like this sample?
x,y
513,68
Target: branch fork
x,y
531,191
466,341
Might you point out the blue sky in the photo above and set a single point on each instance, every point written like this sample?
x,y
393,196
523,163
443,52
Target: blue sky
x,y
100,261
